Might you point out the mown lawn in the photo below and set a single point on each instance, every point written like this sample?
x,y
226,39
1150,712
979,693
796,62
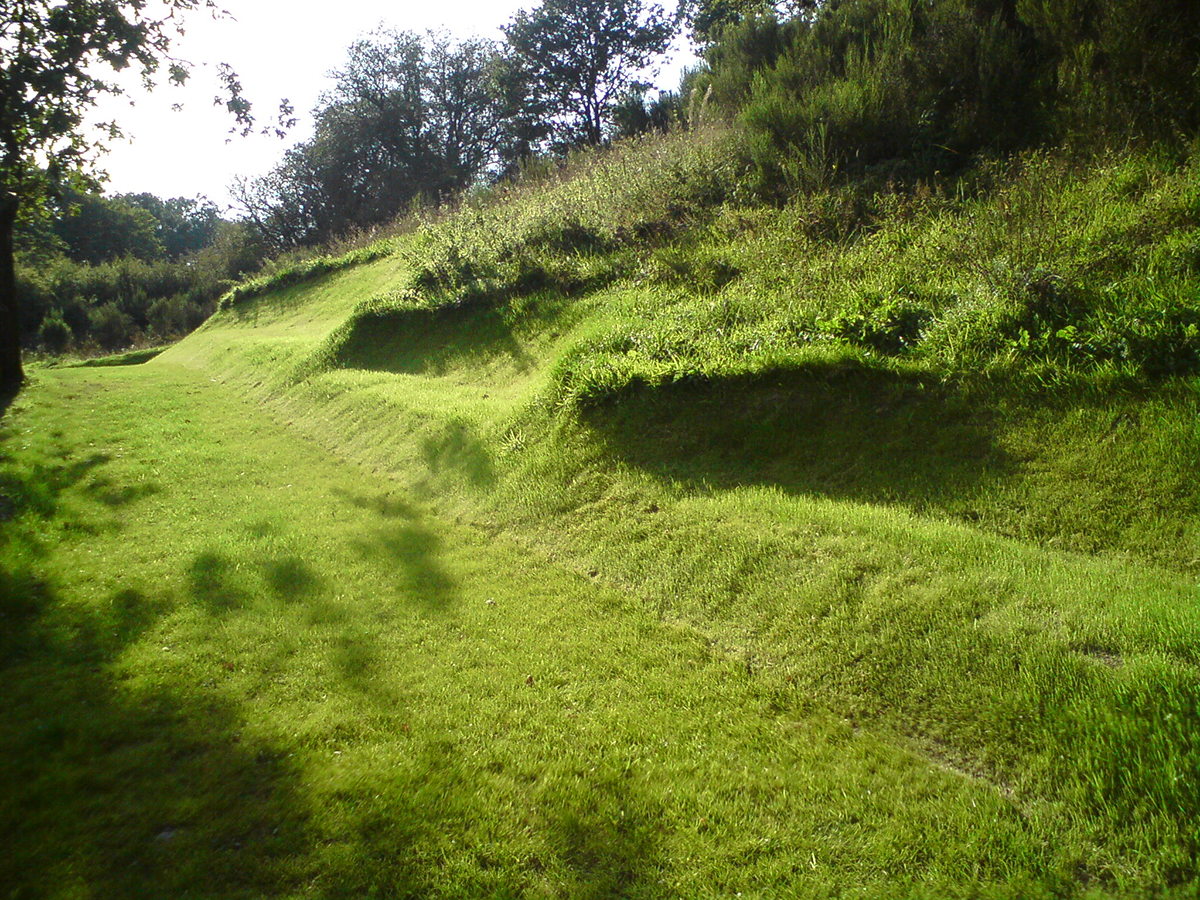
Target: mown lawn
x,y
237,667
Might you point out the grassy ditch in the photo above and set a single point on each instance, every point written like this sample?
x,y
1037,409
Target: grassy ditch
x,y
784,551
237,667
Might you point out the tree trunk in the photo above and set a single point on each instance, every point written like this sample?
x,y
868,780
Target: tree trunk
x,y
11,373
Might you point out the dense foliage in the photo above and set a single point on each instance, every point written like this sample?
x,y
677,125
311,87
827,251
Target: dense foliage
x,y
105,273
581,58
916,88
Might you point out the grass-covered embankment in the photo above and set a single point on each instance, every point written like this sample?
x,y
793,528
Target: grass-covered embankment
x,y
826,556
239,667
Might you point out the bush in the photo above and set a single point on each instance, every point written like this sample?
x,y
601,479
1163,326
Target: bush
x,y
170,316
935,84
112,328
893,326
54,334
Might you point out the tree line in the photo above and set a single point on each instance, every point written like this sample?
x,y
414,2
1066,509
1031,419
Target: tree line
x,y
819,89
104,273
418,118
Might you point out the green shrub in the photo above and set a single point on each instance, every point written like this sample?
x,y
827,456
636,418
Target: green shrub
x,y
697,271
170,316
54,334
112,328
890,326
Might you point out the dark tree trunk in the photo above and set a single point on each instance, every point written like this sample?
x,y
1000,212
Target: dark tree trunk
x,y
11,373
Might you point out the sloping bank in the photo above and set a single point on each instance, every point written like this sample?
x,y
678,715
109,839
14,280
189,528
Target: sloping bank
x,y
781,512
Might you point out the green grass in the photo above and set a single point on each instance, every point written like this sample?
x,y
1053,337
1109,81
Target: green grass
x,y
387,584
131,358
237,667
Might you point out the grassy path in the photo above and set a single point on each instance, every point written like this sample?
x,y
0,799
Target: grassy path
x,y
235,667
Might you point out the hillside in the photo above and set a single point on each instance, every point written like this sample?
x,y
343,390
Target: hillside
x,y
629,537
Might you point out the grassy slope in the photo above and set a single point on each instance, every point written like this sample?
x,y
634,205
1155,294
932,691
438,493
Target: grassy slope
x,y
238,667
795,638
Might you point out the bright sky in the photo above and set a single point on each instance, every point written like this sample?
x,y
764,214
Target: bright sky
x,y
279,48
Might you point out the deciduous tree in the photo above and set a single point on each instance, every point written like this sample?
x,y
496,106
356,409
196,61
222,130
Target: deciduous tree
x,y
57,58
582,56
408,116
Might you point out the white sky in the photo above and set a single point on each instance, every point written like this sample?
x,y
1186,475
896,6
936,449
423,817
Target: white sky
x,y
279,48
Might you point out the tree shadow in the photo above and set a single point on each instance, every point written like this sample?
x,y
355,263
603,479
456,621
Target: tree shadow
x,y
115,788
457,449
224,589
386,506
135,781
35,491
595,838
212,583
609,840
222,586
407,541
114,496
39,488
415,550
854,434
428,341
290,579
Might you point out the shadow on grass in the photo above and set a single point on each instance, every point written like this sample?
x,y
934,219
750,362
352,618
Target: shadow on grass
x,y
458,450
407,542
126,789
595,840
115,787
221,585
128,776
608,838
428,340
36,489
211,579
858,434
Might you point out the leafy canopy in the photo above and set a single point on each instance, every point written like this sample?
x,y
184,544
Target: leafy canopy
x,y
409,116
580,57
57,59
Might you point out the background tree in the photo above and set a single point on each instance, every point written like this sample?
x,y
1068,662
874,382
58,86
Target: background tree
x,y
97,229
582,56
56,59
635,113
408,116
183,225
708,18
98,273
